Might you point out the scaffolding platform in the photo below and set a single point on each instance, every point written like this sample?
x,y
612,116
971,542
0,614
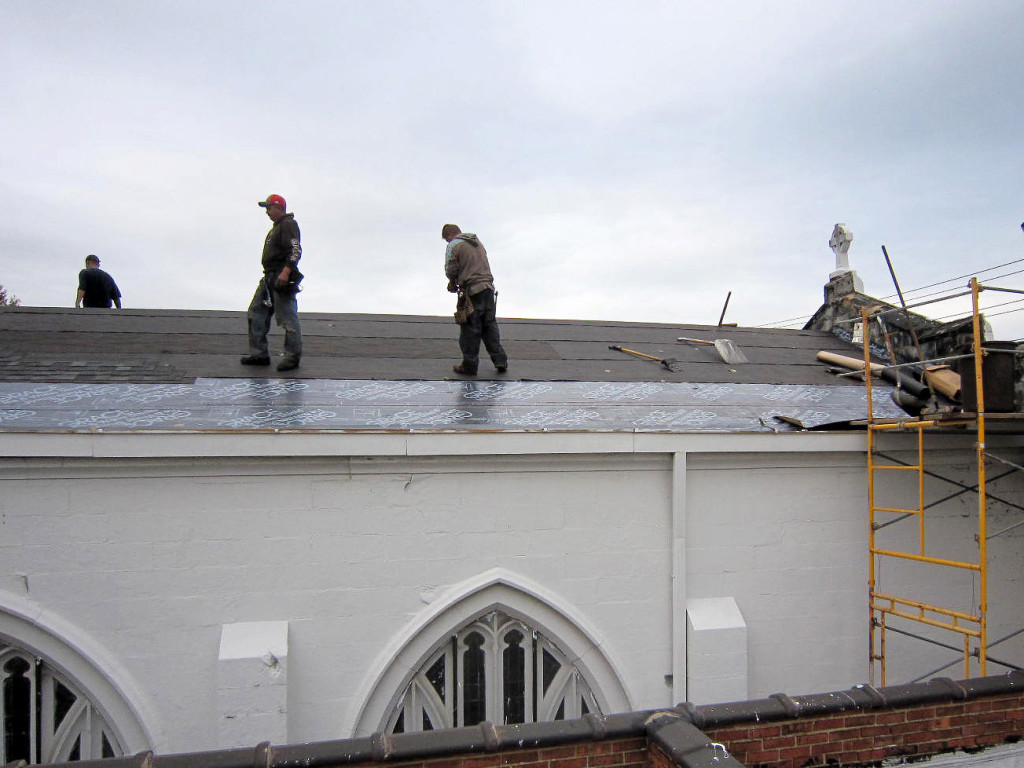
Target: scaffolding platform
x,y
889,601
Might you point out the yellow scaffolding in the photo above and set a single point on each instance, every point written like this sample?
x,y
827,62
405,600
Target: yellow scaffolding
x,y
972,627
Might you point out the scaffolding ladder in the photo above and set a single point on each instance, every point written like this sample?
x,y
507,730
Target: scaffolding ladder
x,y
971,627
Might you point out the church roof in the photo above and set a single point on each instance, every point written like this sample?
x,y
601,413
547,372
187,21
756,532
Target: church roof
x,y
64,369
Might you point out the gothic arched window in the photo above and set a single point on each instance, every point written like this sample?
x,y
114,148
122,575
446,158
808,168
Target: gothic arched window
x,y
498,669
45,717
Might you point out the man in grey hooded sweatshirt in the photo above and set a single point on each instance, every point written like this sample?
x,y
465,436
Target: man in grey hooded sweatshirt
x,y
468,271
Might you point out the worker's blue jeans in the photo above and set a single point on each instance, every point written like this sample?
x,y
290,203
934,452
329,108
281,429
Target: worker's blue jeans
x,y
268,303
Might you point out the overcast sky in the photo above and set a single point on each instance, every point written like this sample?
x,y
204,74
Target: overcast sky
x,y
620,160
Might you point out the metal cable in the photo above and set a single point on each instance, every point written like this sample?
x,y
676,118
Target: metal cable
x,y
921,288
954,648
961,277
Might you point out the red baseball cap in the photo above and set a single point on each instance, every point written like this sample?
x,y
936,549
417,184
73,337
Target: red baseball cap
x,y
274,200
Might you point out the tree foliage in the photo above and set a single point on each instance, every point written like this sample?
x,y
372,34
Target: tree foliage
x,y
8,301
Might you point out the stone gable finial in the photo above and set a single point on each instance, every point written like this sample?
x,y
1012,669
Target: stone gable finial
x,y
840,245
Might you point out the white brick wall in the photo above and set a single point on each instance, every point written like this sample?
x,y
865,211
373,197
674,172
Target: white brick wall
x,y
252,683
152,557
716,650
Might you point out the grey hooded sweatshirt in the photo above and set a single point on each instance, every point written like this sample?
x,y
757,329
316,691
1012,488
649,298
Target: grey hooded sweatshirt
x,y
466,264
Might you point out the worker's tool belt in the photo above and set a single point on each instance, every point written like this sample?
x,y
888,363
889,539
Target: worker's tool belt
x,y
463,308
292,286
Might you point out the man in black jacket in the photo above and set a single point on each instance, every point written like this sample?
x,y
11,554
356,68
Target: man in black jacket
x,y
276,292
95,287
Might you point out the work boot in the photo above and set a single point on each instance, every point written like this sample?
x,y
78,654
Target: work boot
x,y
255,360
288,364
462,370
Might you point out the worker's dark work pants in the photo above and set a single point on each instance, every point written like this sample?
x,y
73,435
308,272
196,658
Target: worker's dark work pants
x,y
267,303
482,325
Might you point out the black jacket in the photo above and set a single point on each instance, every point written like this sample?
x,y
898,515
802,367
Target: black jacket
x,y
281,248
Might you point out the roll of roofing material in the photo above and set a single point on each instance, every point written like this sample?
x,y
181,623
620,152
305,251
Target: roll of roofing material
x,y
943,379
907,383
912,405
848,362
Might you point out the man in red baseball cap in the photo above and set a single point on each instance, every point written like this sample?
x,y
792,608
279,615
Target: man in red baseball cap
x,y
274,200
276,293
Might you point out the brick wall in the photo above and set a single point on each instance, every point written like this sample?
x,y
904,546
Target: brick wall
x,y
611,753
861,726
855,737
858,737
658,759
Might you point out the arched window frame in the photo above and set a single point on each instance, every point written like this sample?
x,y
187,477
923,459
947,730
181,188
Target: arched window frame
x,y
425,636
567,695
86,668
79,732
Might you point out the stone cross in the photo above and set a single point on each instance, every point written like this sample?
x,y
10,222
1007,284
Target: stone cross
x,y
840,245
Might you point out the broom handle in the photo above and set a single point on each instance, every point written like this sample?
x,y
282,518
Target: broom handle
x,y
633,352
695,341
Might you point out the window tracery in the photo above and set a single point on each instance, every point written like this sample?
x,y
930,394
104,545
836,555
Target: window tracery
x,y
45,717
496,668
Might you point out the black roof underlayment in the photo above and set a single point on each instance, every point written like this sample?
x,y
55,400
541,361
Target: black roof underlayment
x,y
73,370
